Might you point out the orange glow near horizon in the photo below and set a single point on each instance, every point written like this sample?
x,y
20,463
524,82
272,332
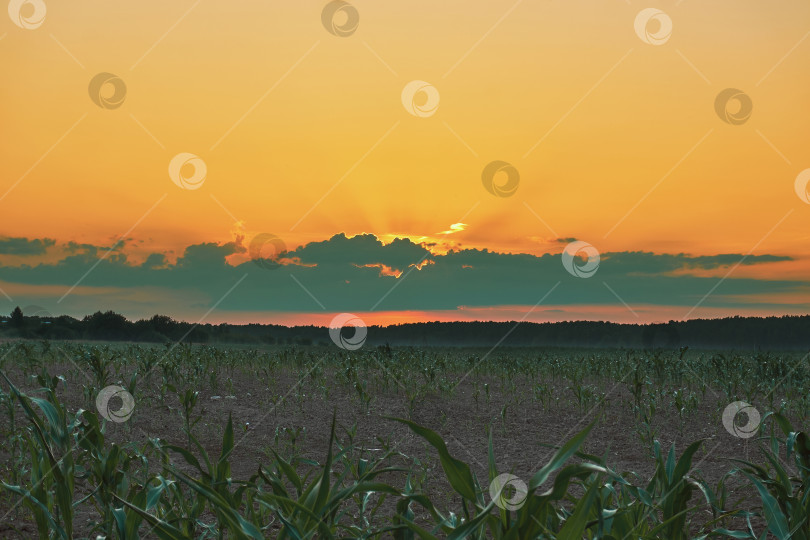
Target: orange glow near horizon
x,y
546,314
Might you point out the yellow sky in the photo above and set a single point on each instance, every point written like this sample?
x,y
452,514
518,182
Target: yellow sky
x,y
282,112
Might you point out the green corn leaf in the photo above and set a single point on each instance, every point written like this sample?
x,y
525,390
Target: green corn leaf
x,y
473,525
237,524
685,462
576,523
669,467
732,534
458,473
560,457
289,472
36,504
777,523
162,529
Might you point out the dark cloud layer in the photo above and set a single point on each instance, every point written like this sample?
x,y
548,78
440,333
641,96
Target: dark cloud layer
x,y
346,274
24,246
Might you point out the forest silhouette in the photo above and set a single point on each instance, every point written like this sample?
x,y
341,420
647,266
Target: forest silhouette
x,y
766,333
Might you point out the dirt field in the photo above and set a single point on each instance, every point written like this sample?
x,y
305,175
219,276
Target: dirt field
x,y
529,402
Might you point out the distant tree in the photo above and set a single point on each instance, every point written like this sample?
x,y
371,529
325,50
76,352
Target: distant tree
x,y
164,325
17,319
107,325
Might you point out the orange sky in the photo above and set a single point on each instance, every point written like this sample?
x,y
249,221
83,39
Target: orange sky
x,y
304,133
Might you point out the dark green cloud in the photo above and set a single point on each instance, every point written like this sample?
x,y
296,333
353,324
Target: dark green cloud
x,y
338,274
360,250
24,246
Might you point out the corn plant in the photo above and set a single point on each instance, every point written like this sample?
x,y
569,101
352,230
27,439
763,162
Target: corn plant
x,y
314,503
49,495
785,497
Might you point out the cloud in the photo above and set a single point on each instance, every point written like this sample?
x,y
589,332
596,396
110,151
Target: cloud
x,y
362,274
208,257
360,250
454,228
155,261
646,262
24,246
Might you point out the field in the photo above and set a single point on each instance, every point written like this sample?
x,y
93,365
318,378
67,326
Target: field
x,y
319,442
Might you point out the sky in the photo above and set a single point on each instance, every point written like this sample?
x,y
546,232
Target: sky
x,y
463,160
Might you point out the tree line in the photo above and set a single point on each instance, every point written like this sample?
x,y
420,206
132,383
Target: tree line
x,y
769,333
